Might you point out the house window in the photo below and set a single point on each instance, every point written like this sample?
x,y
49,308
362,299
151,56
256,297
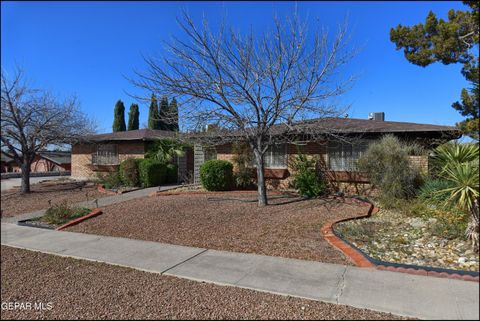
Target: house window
x,y
106,154
210,153
343,156
276,156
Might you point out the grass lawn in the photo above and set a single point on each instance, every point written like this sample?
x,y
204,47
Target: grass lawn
x,y
14,203
287,228
78,289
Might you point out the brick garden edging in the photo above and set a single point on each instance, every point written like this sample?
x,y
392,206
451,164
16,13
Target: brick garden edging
x,y
93,213
102,189
361,259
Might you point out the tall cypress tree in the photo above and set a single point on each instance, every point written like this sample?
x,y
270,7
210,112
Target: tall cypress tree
x,y
173,109
164,120
119,117
133,117
153,113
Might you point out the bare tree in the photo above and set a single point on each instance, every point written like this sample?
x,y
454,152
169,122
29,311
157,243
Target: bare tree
x,y
249,83
33,120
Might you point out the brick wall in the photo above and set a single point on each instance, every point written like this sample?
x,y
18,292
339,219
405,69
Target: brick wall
x,y
279,178
420,162
82,157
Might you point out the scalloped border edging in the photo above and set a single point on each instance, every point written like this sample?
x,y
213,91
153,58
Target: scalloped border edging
x,y
93,213
361,259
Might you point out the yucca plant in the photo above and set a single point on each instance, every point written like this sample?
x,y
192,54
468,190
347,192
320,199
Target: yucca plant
x,y
458,164
453,153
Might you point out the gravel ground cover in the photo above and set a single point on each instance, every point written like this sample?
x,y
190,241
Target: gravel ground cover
x,y
394,237
79,289
14,203
289,227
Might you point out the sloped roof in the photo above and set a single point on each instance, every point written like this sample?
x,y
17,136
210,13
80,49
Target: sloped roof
x,y
139,134
347,126
6,158
312,126
58,157
354,125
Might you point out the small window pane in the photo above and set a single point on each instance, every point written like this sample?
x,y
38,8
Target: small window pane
x,y
344,156
276,156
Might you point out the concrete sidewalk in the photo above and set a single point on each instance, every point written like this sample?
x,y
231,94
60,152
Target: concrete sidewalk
x,y
398,293
104,201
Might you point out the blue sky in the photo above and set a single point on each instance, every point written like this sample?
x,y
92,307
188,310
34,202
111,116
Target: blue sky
x,y
87,49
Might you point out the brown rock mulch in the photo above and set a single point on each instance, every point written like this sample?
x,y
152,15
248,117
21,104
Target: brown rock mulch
x,y
15,203
76,289
287,228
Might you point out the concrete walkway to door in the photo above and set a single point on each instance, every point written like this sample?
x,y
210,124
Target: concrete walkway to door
x,y
397,293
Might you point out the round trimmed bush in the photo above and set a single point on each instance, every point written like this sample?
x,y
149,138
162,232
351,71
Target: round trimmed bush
x,y
216,175
152,172
172,173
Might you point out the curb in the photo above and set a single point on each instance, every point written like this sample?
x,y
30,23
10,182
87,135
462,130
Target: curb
x,y
93,213
361,259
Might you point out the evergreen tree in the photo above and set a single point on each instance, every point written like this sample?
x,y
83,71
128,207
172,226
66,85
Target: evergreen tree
x,y
153,113
164,121
452,41
119,117
133,117
173,109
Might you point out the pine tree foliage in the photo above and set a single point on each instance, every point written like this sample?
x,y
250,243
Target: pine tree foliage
x,y
452,41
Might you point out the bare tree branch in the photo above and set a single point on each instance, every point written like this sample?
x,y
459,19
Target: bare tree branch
x,y
33,120
251,84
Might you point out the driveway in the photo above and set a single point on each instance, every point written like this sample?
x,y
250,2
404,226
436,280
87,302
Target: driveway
x,y
10,183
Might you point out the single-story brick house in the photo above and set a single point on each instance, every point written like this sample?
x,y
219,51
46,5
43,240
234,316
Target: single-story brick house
x,y
44,161
103,153
336,142
316,137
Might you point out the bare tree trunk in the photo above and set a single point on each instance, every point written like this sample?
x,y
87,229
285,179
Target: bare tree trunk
x,y
262,190
25,177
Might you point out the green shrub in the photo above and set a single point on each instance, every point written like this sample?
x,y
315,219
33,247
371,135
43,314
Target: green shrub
x,y
216,175
61,213
306,180
388,166
242,158
110,180
429,192
165,150
172,173
129,172
152,173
